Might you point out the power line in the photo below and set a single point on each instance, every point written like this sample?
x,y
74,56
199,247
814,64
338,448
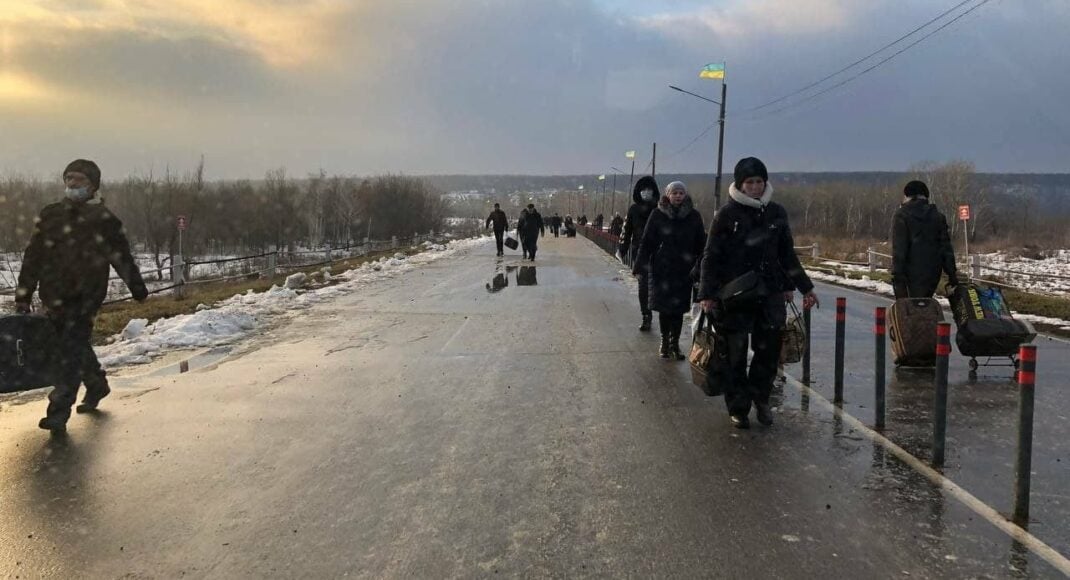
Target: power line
x,y
859,61
878,64
692,142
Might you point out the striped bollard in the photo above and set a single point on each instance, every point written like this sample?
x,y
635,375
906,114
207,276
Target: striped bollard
x,y
943,351
879,331
1027,361
841,332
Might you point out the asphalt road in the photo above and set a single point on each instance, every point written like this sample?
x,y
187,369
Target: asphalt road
x,y
440,424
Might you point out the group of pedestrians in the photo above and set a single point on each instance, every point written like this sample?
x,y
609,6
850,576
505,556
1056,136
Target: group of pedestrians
x,y
745,270
529,227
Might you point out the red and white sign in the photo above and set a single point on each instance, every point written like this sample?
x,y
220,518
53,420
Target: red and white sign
x,y
181,223
964,212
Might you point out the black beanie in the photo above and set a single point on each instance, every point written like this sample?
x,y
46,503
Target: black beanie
x,y
916,188
749,167
87,168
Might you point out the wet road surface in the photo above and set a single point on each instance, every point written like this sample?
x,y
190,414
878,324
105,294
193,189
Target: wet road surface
x,y
469,419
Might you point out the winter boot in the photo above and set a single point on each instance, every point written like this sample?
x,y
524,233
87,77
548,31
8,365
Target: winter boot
x,y
647,318
674,345
92,400
765,414
664,350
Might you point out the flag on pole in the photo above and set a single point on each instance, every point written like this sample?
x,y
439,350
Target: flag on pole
x,y
602,177
712,71
629,154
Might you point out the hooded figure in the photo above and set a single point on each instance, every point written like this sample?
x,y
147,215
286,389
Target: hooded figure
x,y
616,225
529,227
645,198
921,245
668,252
75,244
751,234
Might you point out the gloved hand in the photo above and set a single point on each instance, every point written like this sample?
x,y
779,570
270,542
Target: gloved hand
x,y
140,294
713,308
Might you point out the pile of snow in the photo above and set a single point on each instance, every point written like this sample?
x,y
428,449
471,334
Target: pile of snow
x,y
1057,264
295,281
235,318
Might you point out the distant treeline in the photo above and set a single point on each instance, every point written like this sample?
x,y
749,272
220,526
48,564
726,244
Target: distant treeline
x,y
240,216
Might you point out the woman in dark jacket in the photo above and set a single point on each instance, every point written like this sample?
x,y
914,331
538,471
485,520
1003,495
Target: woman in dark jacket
x,y
751,233
670,248
645,196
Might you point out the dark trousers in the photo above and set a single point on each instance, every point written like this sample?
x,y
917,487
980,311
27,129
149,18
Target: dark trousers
x,y
499,239
644,294
671,325
755,386
557,231
531,245
78,363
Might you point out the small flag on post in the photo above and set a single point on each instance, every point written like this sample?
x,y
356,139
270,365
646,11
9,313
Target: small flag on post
x,y
629,154
602,177
712,71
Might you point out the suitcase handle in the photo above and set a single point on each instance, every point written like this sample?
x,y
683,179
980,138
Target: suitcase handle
x,y
18,352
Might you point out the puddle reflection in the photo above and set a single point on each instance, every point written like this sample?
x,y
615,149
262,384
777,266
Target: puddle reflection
x,y
525,276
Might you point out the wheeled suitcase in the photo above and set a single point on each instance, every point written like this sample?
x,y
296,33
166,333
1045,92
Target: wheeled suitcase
x,y
28,346
912,330
985,325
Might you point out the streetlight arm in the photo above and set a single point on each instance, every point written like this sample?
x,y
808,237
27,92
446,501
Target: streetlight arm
x,y
694,95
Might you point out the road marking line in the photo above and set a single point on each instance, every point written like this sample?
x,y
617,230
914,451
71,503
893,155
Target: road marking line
x,y
455,335
1020,535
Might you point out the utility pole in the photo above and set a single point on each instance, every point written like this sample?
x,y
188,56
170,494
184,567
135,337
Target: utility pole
x,y
720,151
654,161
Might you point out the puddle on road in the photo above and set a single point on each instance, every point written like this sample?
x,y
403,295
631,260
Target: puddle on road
x,y
523,275
199,361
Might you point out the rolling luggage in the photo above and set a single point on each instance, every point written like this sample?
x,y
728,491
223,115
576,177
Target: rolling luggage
x,y
912,331
986,327
511,243
27,353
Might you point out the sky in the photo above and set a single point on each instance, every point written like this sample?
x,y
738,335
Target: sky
x,y
524,86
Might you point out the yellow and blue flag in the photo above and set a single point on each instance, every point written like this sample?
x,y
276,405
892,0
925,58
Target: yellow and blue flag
x,y
712,71
629,154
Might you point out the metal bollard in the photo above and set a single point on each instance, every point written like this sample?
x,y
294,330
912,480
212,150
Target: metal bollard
x,y
1027,360
806,349
872,259
841,331
879,331
943,350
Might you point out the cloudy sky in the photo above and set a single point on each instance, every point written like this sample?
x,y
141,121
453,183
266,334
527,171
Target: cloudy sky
x,y
523,86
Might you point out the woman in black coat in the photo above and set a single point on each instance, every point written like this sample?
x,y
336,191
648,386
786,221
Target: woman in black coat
x,y
751,234
668,252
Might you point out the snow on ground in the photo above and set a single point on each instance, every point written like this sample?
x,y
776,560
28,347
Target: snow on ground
x,y
1057,264
237,317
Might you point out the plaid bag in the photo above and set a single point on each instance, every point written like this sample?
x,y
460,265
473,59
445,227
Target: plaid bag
x,y
708,358
793,338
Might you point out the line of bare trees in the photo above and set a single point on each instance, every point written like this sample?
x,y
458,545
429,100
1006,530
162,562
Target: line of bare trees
x,y
232,217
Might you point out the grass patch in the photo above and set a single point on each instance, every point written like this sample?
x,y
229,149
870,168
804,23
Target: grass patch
x,y
113,318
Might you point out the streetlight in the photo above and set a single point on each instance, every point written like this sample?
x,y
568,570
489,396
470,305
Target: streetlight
x,y
602,178
615,188
720,141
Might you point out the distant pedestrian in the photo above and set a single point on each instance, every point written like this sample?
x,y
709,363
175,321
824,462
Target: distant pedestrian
x,y
749,273
669,252
529,227
498,219
583,220
645,198
555,224
75,244
598,221
921,245
616,225
570,226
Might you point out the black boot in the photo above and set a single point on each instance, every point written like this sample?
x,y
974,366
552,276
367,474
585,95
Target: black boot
x,y
645,326
674,340
664,351
765,413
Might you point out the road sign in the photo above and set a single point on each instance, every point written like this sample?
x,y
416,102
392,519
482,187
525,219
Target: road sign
x,y
964,212
181,223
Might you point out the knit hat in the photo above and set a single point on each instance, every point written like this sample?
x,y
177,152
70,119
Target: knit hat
x,y
749,167
87,168
916,188
675,185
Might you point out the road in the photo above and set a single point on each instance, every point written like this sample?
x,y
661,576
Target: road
x,y
442,425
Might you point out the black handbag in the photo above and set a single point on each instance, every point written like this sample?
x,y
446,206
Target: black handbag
x,y
745,290
28,353
708,358
511,243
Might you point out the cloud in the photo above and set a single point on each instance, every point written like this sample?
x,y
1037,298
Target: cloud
x,y
757,19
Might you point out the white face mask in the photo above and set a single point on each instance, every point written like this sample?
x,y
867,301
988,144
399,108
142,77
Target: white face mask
x,y
646,194
80,194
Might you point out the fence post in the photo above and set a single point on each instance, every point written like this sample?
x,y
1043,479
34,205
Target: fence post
x,y
815,251
273,264
879,330
393,242
872,259
328,254
943,351
1027,360
975,265
841,333
178,276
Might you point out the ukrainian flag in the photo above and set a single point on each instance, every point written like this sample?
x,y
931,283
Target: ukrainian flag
x,y
712,71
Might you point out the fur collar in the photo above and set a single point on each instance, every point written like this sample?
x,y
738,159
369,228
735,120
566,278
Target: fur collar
x,y
675,213
749,201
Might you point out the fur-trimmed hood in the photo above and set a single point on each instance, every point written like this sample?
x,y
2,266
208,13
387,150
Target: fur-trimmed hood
x,y
645,182
676,212
748,201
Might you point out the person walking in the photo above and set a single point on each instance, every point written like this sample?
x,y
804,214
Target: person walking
x,y
75,244
616,225
645,199
555,224
529,227
498,219
921,245
669,250
749,272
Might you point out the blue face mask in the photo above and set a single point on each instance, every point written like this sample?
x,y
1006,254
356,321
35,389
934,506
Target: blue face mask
x,y
79,194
